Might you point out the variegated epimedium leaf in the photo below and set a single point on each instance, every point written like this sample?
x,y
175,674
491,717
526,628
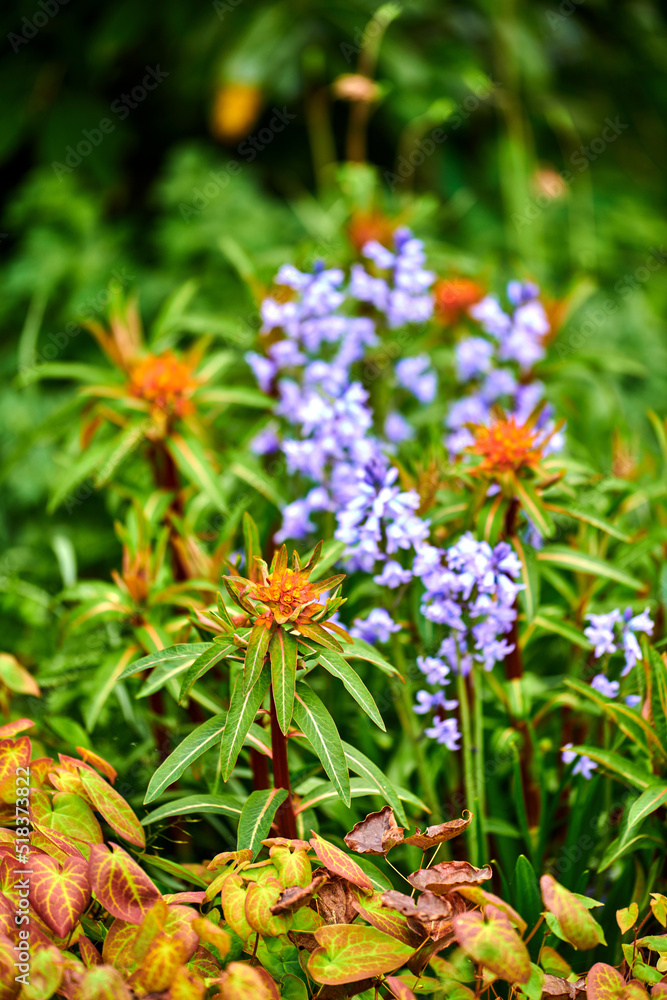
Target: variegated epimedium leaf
x,y
576,923
337,861
493,943
282,650
340,668
348,953
59,893
243,708
116,811
255,654
320,730
257,817
216,651
192,747
120,884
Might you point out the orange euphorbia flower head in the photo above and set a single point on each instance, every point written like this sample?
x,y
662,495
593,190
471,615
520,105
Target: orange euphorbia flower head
x,y
164,382
507,446
453,296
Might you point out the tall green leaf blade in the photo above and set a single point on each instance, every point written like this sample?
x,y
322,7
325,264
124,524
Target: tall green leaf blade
x,y
257,816
529,597
255,654
191,460
183,652
362,650
534,507
340,668
590,517
242,711
192,747
584,562
203,663
650,800
222,805
618,766
282,650
320,730
365,768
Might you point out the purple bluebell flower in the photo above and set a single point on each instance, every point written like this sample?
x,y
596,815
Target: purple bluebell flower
x,y
393,575
473,358
263,369
397,428
266,441
584,766
519,292
445,731
632,700
376,627
612,631
416,375
606,687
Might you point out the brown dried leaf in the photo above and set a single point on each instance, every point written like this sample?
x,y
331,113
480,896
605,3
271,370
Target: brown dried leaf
x,y
376,834
296,896
448,875
434,835
554,986
430,914
335,900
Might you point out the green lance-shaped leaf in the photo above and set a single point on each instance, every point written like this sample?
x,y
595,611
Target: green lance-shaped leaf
x,y
320,729
192,747
361,650
282,650
252,544
618,766
203,663
365,768
349,953
534,507
340,668
242,711
255,654
647,803
493,943
319,636
189,805
257,817
184,653
576,923
191,460
583,562
590,517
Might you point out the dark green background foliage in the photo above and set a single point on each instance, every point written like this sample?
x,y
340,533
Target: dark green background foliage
x,y
551,77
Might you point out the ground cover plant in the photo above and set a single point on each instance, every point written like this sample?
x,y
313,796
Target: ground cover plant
x,y
334,658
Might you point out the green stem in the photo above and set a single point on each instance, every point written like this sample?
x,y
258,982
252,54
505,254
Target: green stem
x,y
468,769
478,716
406,716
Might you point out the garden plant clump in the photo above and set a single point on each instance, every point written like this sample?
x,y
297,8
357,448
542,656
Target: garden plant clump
x,y
334,657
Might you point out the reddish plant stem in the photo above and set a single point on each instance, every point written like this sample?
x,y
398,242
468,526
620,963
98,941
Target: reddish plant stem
x,y
260,770
285,818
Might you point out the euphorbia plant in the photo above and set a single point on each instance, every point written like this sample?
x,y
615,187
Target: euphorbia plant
x,y
272,642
